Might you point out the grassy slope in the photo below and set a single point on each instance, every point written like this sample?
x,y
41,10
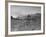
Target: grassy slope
x,y
23,25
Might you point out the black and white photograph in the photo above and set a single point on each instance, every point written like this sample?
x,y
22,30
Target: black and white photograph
x,y
24,18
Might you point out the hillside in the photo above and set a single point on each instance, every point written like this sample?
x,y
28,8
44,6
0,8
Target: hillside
x,y
26,23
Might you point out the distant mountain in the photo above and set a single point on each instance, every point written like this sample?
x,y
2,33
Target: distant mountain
x,y
28,17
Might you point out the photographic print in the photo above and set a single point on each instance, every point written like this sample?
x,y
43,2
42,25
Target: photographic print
x,y
24,18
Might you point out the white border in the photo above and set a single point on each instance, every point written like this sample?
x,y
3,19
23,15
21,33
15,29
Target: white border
x,y
24,32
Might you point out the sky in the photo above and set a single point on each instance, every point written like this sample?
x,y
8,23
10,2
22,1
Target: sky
x,y
17,10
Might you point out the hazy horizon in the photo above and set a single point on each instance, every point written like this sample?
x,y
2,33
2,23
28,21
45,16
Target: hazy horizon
x,y
24,10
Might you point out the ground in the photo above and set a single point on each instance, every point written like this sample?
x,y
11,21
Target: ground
x,y
26,24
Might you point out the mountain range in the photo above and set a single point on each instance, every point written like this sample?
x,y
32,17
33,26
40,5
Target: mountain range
x,y
28,17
